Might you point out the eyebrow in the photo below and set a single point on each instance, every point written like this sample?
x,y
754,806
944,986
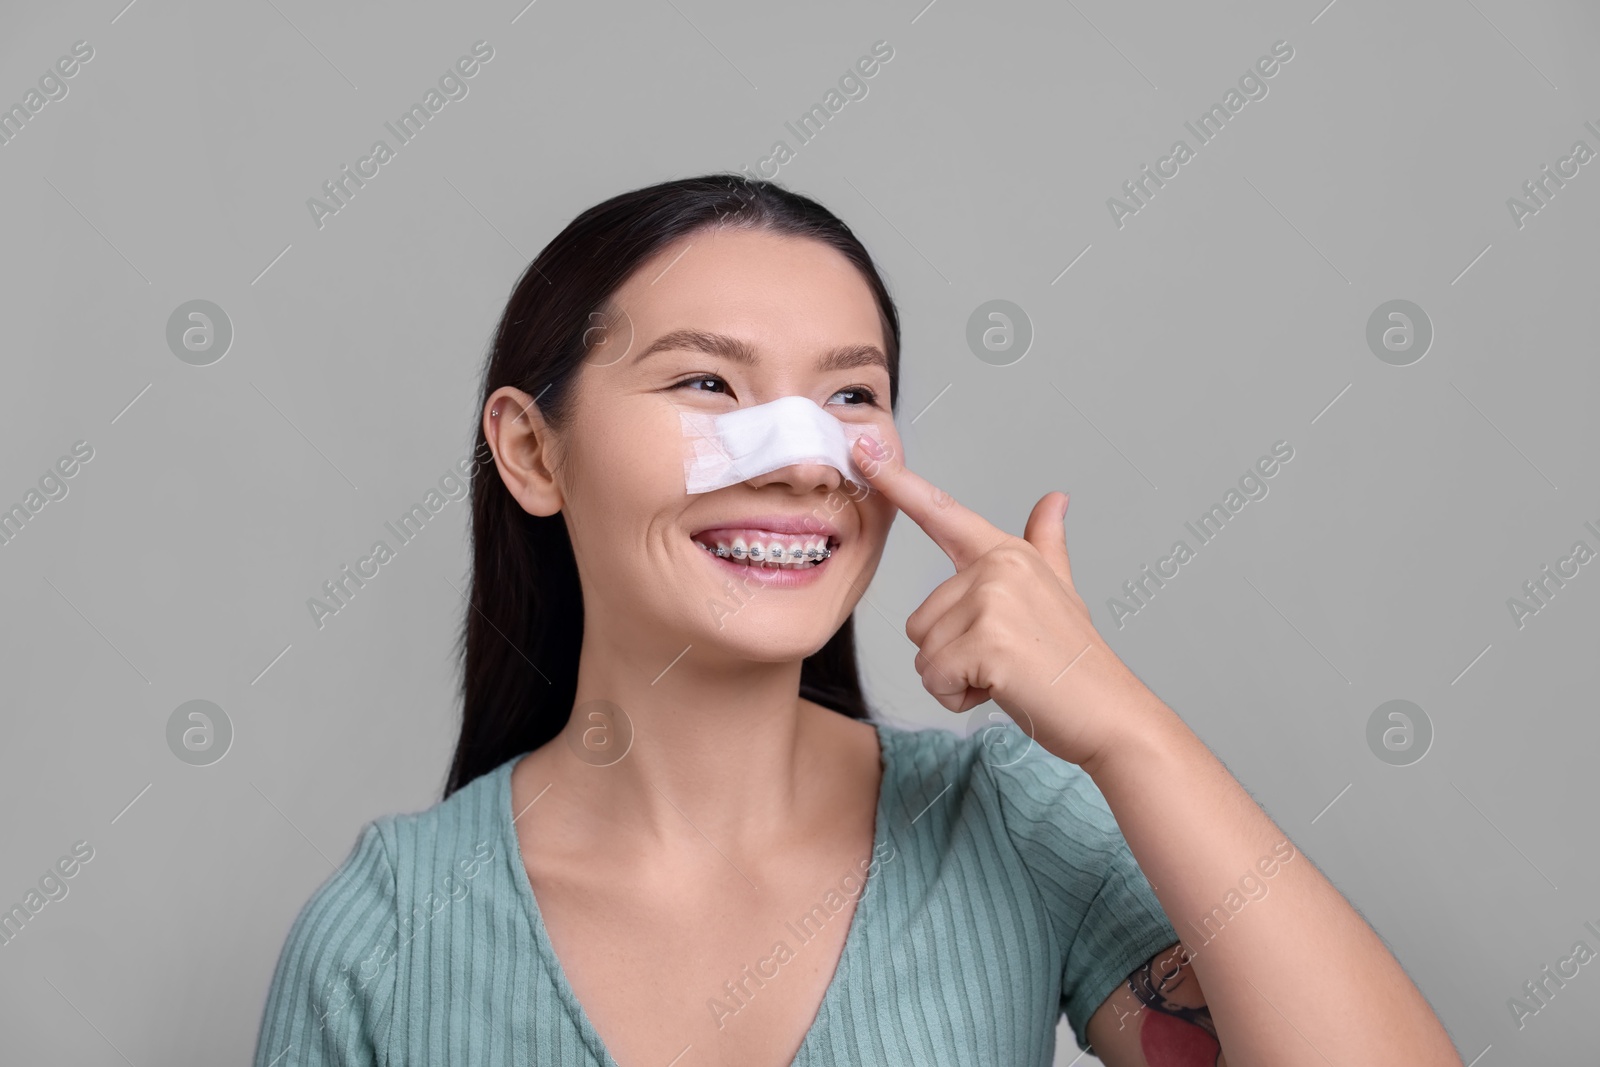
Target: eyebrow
x,y
732,348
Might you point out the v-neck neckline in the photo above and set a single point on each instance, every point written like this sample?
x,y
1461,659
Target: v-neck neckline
x,y
506,819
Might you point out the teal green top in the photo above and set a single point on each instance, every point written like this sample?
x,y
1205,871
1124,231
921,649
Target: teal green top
x,y
1001,894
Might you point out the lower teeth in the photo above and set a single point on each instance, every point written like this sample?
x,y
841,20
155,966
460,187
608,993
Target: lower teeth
x,y
770,565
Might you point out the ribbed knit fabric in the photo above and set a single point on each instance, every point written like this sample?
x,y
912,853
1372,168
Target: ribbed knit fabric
x,y
1003,896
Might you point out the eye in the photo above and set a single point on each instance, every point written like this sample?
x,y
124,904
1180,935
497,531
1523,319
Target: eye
x,y
871,397
701,378
868,396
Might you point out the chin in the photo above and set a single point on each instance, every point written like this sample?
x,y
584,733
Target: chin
x,y
747,637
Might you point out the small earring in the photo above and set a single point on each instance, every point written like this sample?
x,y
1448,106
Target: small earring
x,y
494,412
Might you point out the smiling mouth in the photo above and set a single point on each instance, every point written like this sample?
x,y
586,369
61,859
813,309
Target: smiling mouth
x,y
770,551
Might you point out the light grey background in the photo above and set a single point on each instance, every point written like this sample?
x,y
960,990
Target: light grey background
x,y
1228,314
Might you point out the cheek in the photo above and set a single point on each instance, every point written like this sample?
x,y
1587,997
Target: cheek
x,y
885,431
629,469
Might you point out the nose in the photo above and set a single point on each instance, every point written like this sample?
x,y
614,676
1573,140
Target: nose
x,y
802,477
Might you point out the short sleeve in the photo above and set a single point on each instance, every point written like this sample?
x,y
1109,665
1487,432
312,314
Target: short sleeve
x,y
1107,918
328,1005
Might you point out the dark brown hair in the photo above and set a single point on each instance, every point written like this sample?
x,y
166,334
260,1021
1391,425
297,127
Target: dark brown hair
x,y
523,626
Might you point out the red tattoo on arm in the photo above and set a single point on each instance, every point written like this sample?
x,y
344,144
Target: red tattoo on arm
x,y
1177,1033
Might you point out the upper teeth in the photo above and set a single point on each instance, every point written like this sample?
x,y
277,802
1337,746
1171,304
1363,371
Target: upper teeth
x,y
768,550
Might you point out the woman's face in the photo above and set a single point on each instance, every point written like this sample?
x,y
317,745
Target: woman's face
x,y
618,474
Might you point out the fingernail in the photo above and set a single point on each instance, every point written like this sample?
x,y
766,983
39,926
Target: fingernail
x,y
870,446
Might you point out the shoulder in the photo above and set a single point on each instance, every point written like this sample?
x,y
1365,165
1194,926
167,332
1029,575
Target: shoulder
x,y
991,799
1042,830
1039,798
1055,819
332,991
401,855
349,905
327,999
456,834
912,753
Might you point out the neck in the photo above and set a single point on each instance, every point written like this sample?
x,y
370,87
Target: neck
x,y
721,750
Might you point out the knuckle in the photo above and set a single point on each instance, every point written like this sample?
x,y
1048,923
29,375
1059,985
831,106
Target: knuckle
x,y
994,599
992,628
1009,555
1017,553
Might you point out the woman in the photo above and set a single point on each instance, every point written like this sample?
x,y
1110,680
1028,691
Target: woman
x,y
673,831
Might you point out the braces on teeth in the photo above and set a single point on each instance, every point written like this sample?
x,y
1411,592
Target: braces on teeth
x,y
758,553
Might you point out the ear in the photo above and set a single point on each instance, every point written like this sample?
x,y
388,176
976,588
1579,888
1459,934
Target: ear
x,y
523,448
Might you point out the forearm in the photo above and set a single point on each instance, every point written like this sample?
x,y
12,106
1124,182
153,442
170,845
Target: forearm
x,y
1292,974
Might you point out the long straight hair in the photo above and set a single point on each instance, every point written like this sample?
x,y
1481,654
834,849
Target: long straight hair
x,y
522,628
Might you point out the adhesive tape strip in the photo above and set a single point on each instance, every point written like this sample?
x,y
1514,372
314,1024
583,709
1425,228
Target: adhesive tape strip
x,y
722,450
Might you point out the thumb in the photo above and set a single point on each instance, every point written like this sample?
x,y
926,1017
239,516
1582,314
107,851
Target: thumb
x,y
1046,531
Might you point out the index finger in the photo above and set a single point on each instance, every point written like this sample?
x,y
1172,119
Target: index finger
x,y
960,532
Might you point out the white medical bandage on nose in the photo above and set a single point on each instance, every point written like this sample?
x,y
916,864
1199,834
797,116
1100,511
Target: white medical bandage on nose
x,y
725,449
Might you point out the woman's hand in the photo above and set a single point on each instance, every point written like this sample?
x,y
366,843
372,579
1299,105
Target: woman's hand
x,y
1009,626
